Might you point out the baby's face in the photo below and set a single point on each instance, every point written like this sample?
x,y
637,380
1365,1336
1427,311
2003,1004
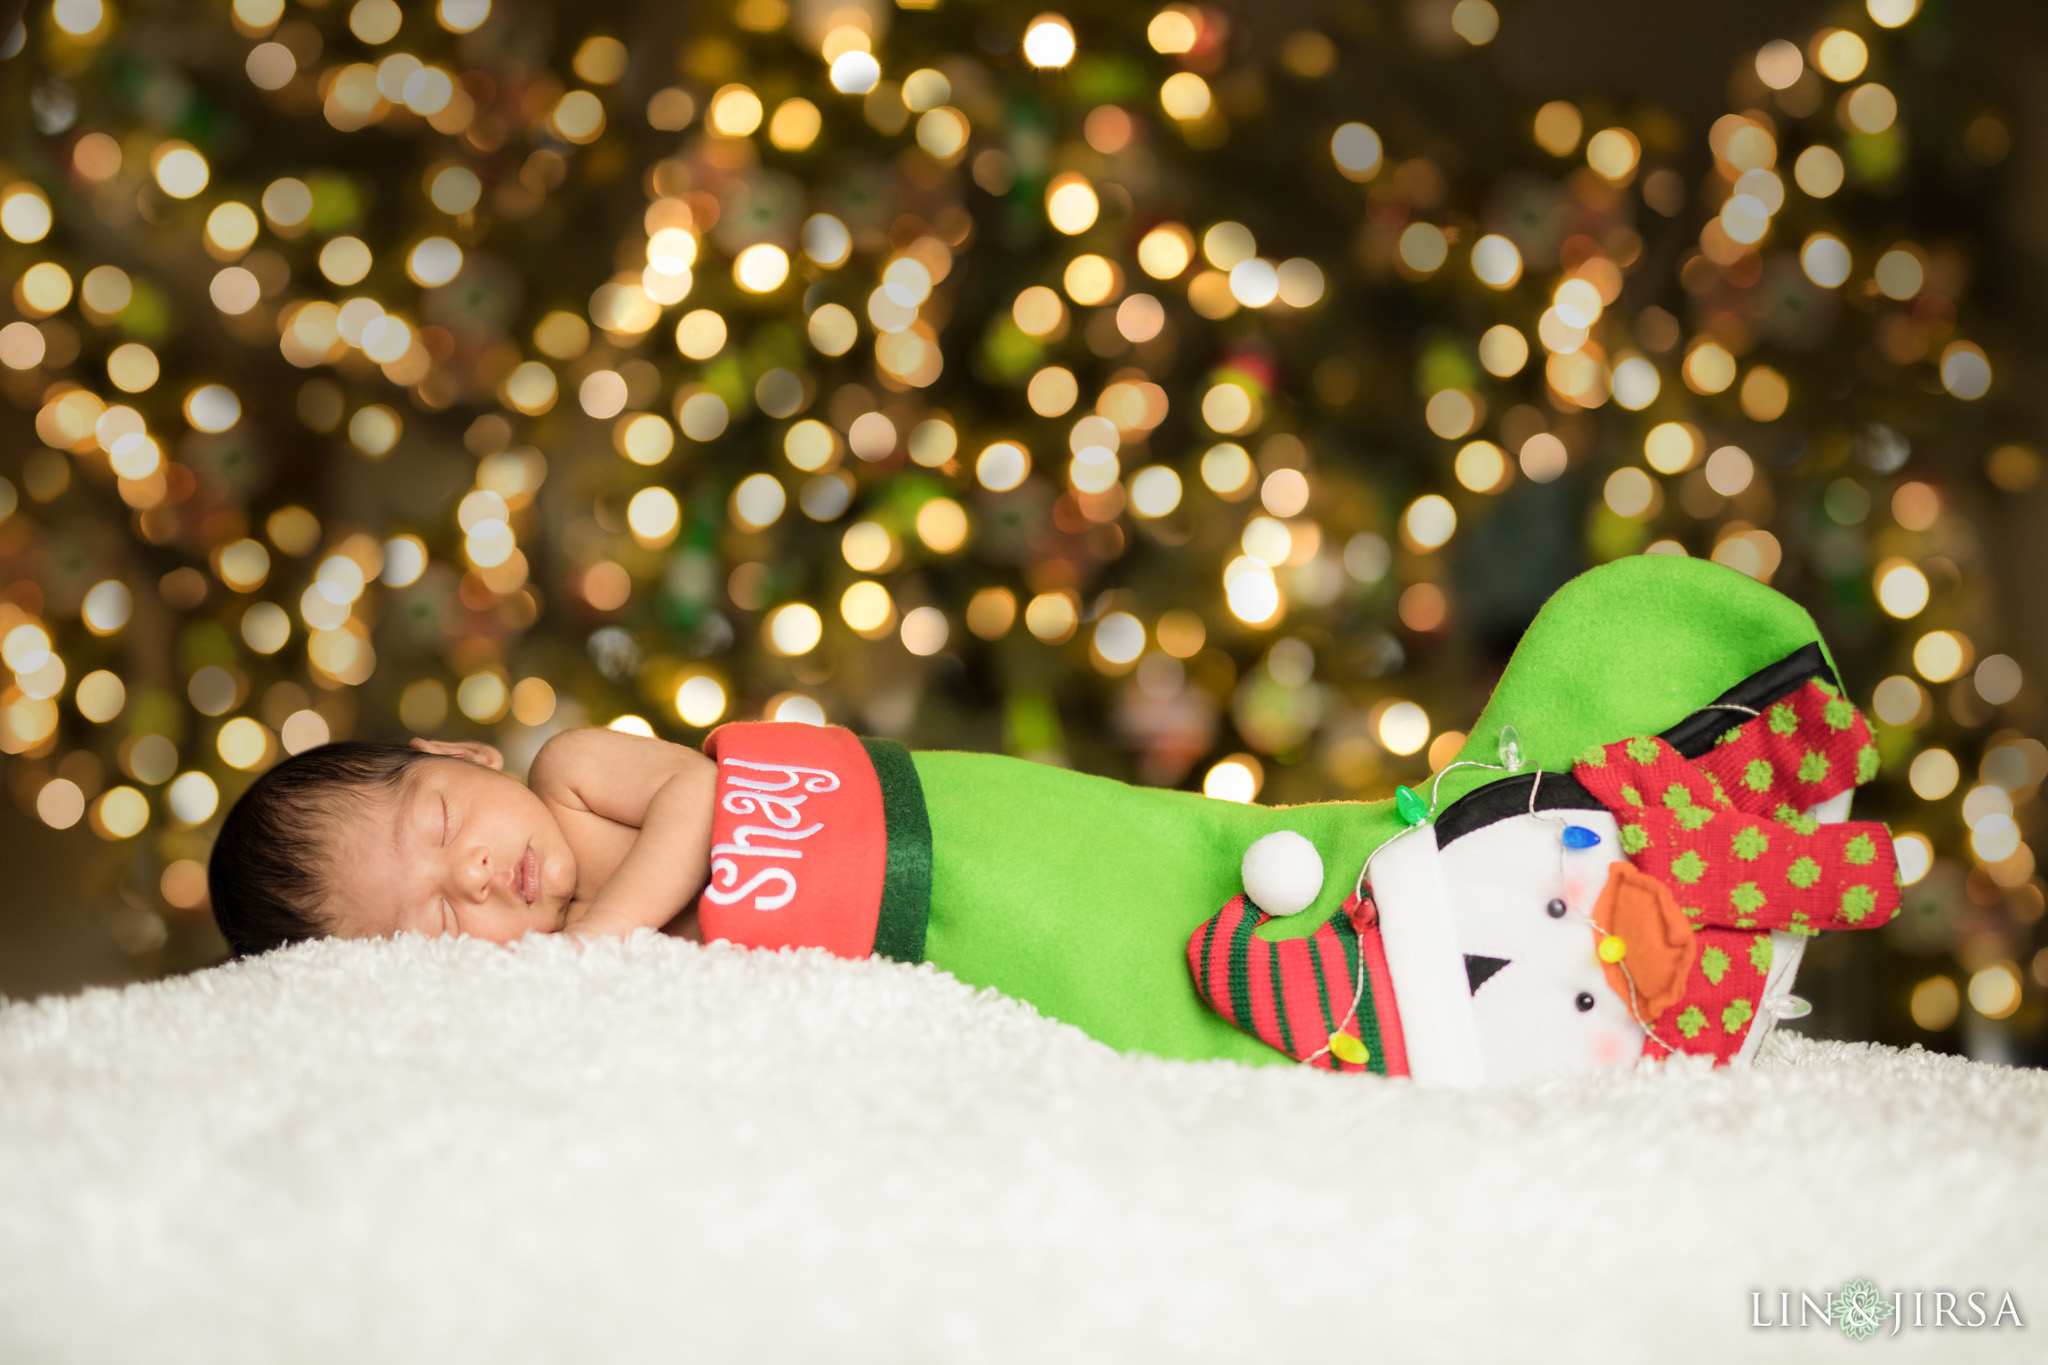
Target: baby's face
x,y
459,848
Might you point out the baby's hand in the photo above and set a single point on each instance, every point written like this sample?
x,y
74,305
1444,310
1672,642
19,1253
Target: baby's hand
x,y
584,930
584,924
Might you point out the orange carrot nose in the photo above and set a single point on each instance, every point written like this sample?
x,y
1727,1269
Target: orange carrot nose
x,y
1645,943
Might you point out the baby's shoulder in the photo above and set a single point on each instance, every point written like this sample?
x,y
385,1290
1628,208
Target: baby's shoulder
x,y
590,753
563,755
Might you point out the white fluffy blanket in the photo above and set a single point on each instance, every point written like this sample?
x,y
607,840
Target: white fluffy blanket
x,y
654,1151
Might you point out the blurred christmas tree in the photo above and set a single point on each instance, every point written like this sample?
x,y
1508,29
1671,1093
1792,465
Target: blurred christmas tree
x,y
1201,396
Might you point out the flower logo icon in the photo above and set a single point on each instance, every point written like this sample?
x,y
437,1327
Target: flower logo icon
x,y
1859,1309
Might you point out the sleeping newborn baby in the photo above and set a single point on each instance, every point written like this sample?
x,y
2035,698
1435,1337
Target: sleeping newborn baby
x,y
365,840
1624,861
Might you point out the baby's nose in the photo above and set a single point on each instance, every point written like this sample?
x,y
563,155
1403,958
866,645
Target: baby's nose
x,y
476,873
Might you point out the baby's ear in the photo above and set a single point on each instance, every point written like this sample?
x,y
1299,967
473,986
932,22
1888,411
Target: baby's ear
x,y
468,750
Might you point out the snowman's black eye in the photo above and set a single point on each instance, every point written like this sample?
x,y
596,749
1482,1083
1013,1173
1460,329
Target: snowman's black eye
x,y
1584,1001
1556,909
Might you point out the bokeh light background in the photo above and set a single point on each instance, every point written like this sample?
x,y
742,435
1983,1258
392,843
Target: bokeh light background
x,y
1204,395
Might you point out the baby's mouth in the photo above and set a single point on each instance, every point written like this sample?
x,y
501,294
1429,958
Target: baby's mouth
x,y
529,876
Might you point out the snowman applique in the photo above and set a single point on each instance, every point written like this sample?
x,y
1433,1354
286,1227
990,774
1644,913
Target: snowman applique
x,y
1654,900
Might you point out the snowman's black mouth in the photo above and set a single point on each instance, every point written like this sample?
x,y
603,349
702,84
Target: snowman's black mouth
x,y
1480,969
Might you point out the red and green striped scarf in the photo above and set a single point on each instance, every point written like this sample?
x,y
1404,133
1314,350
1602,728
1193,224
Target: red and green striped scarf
x,y
1298,994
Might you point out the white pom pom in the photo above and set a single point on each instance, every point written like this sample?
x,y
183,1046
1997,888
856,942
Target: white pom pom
x,y
1283,873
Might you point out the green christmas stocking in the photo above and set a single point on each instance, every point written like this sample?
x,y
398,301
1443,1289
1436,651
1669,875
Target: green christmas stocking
x,y
1500,926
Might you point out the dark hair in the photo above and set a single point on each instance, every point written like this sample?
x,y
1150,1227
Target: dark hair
x,y
271,862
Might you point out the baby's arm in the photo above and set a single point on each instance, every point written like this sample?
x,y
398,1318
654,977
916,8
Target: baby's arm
x,y
637,814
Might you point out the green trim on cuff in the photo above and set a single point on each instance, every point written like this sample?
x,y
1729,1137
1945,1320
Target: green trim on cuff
x,y
907,874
